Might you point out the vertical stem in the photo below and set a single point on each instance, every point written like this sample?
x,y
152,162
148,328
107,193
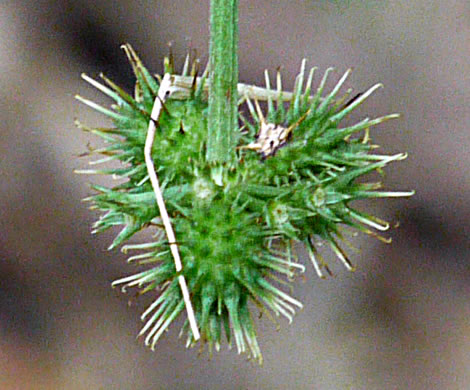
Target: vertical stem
x,y
223,53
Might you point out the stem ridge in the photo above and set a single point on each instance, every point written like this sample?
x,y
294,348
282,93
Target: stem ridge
x,y
223,97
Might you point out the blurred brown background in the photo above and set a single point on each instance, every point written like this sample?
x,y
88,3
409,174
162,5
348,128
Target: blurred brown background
x,y
400,322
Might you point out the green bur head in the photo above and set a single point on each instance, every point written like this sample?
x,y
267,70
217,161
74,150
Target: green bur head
x,y
234,226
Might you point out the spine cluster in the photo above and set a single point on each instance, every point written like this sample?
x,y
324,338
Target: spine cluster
x,y
294,179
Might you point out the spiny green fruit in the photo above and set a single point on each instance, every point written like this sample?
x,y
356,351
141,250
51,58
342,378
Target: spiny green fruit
x,y
294,180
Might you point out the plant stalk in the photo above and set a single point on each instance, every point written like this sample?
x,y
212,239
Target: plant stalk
x,y
223,58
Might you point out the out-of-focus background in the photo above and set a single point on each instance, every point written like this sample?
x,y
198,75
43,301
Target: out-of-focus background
x,y
400,322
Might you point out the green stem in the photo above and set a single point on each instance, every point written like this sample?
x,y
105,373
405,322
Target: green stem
x,y
223,53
